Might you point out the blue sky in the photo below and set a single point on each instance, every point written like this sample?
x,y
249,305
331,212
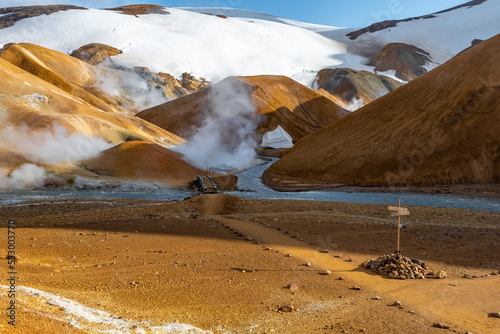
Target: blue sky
x,y
353,13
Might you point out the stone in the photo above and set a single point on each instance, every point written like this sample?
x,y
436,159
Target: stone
x,y
248,238
288,255
341,278
397,303
397,267
292,287
441,274
356,288
494,315
377,298
441,325
307,264
286,308
326,272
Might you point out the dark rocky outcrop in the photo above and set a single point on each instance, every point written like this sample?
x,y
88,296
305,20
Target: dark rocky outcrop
x,y
407,60
95,53
348,84
140,9
14,14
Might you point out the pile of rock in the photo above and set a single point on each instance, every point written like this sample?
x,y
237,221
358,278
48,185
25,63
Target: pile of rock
x,y
398,267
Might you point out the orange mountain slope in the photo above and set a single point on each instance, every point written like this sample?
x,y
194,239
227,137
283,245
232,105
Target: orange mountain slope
x,y
282,101
441,128
136,160
30,102
68,73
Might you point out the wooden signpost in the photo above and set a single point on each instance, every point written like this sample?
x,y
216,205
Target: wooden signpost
x,y
398,211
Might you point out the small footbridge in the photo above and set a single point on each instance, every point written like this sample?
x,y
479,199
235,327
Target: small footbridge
x,y
206,184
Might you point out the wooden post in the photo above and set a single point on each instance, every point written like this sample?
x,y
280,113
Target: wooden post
x,y
399,227
399,211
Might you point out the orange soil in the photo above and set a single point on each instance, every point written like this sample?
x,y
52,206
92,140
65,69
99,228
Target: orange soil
x,y
190,261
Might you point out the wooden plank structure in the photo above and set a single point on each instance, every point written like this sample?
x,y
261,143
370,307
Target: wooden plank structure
x,y
398,211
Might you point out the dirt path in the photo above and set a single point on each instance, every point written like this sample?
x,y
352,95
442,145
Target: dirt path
x,y
462,304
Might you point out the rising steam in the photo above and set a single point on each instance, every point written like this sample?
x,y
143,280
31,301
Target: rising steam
x,y
127,85
227,137
49,147
355,104
52,146
26,176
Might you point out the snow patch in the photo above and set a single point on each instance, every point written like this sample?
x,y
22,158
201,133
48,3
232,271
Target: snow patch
x,y
185,41
278,138
93,320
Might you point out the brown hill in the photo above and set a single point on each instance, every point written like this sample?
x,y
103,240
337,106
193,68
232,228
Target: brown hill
x,y
28,101
441,128
95,53
298,109
407,60
68,73
347,84
137,160
77,75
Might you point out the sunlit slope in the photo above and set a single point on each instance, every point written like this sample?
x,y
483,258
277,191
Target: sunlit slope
x,y
35,105
441,128
278,99
137,160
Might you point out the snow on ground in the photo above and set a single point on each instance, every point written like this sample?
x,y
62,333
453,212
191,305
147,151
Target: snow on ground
x,y
185,41
248,42
445,35
250,15
92,320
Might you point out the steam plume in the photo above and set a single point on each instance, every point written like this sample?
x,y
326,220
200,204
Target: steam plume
x,y
226,138
52,146
26,176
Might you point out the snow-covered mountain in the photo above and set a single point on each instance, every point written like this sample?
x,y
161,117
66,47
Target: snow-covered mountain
x,y
246,42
